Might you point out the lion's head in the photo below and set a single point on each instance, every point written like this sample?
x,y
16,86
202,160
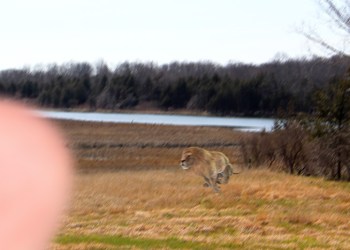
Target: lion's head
x,y
188,158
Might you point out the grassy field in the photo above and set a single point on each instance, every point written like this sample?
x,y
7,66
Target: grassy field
x,y
131,194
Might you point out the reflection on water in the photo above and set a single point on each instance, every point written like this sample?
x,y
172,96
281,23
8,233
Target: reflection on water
x,y
246,124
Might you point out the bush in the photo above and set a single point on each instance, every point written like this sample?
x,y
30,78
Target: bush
x,y
258,150
289,146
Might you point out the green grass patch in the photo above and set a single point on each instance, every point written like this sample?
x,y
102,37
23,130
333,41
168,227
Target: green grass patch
x,y
207,203
168,215
295,226
344,184
323,183
258,203
307,242
286,202
142,243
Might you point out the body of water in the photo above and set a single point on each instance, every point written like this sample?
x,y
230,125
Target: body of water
x,y
248,124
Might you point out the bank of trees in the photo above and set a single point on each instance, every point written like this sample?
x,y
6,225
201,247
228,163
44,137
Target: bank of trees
x,y
234,89
312,97
317,140
317,143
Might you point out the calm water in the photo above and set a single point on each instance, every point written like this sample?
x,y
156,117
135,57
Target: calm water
x,y
249,124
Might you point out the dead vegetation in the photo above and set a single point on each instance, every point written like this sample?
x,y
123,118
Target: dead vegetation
x,y
108,146
294,150
257,208
160,206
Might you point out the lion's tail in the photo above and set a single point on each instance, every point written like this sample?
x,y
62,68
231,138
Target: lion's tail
x,y
232,168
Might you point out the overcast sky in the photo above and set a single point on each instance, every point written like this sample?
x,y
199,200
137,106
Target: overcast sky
x,y
251,31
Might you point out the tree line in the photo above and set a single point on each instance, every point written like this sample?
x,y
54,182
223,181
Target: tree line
x,y
312,98
316,144
233,89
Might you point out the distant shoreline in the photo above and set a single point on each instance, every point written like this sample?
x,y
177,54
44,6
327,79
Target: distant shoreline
x,y
238,123
184,112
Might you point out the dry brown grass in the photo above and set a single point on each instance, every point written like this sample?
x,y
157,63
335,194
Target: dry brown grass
x,y
109,134
101,146
257,209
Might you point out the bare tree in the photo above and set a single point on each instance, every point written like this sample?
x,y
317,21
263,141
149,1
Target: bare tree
x,y
337,14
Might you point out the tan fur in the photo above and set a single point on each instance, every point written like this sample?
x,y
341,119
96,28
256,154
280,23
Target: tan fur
x,y
213,166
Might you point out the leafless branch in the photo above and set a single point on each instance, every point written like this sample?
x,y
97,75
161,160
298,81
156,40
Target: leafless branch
x,y
322,43
339,14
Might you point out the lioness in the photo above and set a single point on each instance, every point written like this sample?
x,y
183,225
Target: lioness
x,y
213,166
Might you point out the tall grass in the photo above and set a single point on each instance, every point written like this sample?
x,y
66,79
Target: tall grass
x,y
257,207
161,206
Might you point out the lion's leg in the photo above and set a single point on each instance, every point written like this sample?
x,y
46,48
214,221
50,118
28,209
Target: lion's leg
x,y
206,182
219,178
214,185
226,175
228,171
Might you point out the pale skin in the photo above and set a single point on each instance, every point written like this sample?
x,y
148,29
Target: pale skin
x,y
35,178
